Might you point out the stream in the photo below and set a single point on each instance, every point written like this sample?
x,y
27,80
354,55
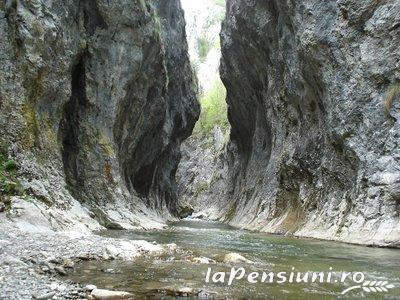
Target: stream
x,y
150,277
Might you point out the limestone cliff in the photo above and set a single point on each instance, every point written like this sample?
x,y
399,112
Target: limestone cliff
x,y
313,97
96,97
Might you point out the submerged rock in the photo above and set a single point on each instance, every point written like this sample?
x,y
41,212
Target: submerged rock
x,y
179,291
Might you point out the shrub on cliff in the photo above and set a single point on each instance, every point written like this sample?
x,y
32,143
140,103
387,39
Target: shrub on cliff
x,y
9,184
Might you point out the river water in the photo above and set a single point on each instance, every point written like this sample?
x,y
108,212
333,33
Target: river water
x,y
148,277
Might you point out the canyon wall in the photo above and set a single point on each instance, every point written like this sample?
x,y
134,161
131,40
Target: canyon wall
x,y
96,97
313,92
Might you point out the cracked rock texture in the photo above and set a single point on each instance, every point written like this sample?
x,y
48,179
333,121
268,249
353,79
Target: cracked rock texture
x,y
95,99
202,175
313,96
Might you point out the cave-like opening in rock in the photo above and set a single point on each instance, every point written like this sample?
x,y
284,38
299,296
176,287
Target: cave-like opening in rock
x,y
70,126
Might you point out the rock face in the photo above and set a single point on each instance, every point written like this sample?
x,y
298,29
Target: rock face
x,y
312,150
202,176
96,97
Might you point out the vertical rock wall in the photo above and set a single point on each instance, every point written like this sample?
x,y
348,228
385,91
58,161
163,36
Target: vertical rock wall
x,y
313,96
96,97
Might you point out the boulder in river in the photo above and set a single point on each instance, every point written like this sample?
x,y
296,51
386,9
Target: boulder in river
x,y
202,260
236,258
100,294
185,211
90,287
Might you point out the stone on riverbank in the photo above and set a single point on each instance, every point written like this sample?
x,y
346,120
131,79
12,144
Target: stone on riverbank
x,y
44,296
100,294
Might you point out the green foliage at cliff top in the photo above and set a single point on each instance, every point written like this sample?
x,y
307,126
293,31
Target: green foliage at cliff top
x,y
213,109
203,46
220,2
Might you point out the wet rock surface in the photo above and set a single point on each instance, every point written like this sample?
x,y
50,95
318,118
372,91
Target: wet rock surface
x,y
312,149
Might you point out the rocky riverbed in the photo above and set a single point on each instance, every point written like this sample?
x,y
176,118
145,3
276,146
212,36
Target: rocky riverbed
x,y
34,265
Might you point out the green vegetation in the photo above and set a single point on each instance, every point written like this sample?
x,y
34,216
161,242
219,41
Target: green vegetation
x,y
10,165
106,144
231,212
392,94
143,4
31,132
213,109
220,2
9,184
201,188
203,47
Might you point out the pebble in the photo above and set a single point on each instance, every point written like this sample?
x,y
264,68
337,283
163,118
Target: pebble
x,y
202,260
90,287
44,296
109,271
60,271
68,263
57,287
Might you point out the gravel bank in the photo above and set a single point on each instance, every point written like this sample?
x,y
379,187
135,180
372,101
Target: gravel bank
x,y
34,264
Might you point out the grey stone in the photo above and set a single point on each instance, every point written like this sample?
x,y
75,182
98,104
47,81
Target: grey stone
x,y
61,271
90,287
101,294
44,296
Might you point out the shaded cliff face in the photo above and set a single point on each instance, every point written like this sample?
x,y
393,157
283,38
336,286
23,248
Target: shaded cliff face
x,y
312,150
96,98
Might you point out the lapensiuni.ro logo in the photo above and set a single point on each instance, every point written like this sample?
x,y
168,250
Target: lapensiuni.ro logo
x,y
356,280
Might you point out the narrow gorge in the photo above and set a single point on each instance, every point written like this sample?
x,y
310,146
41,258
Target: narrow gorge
x,y
313,105
118,119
